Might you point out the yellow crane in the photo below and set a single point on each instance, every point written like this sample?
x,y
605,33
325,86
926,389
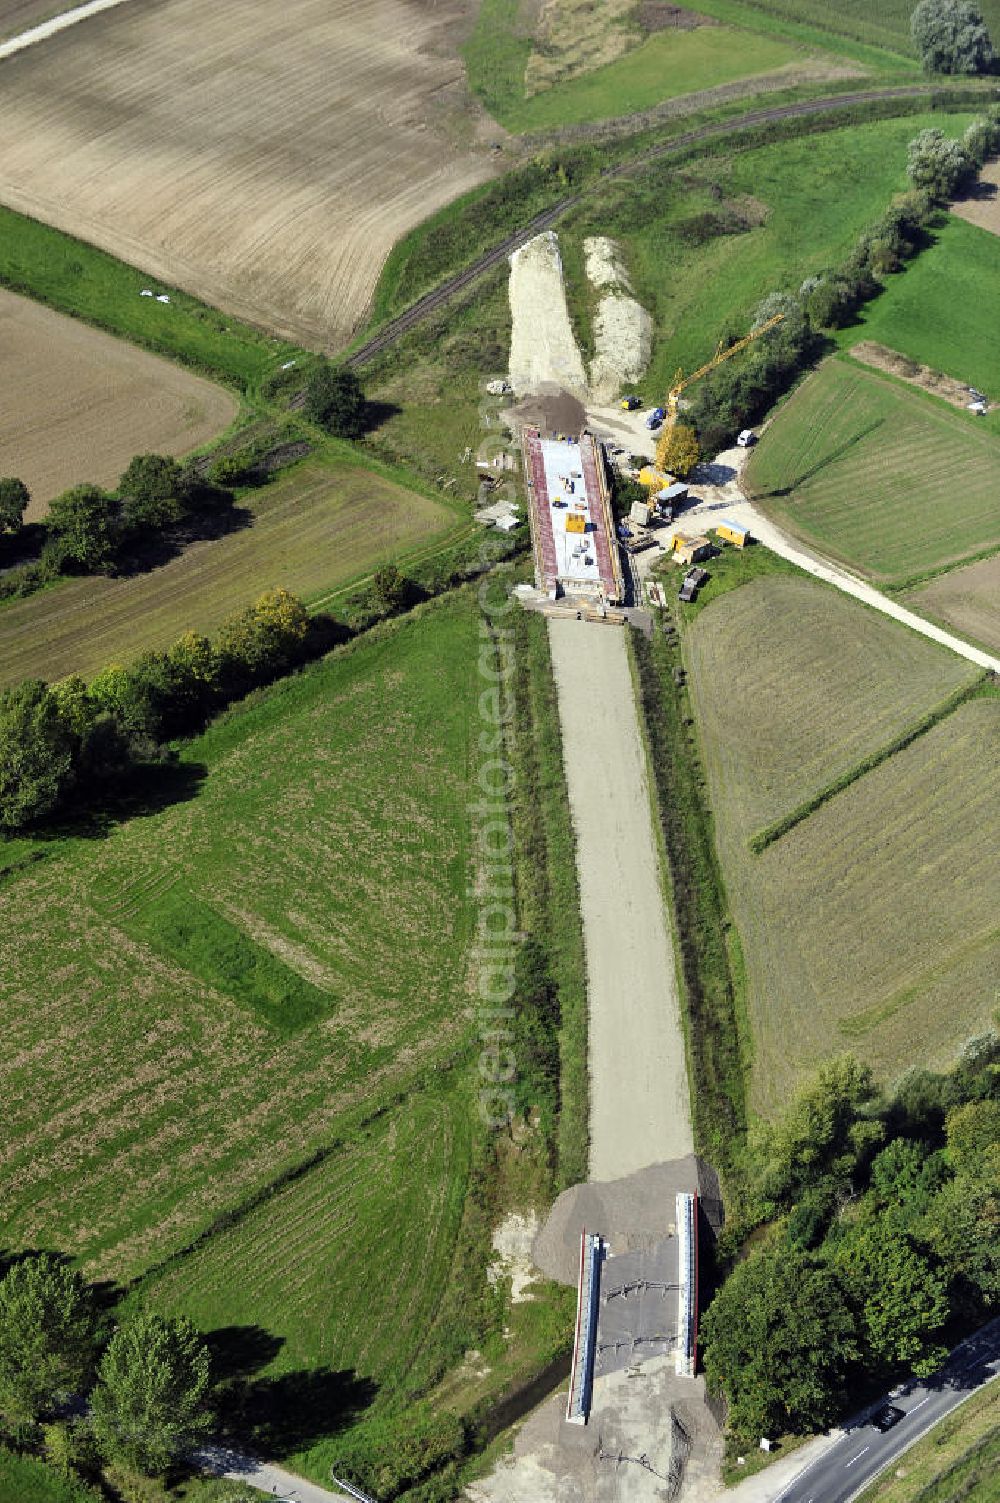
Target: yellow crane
x,y
682,382
653,476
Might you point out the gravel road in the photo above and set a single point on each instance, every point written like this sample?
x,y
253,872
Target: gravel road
x,y
639,1109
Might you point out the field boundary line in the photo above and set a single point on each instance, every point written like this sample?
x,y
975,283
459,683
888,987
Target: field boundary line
x,y
759,842
46,29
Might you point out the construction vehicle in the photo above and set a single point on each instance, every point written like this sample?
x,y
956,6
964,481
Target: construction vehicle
x,y
630,404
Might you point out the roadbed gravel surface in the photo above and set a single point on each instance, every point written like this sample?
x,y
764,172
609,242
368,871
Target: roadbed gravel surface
x,y
639,1109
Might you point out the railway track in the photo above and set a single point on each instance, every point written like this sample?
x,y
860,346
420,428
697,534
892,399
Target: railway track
x,y
438,297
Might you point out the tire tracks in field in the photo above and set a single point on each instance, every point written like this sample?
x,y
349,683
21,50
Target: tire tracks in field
x,y
438,297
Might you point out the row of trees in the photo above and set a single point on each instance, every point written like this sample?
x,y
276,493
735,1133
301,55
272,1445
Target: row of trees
x,y
71,738
739,393
147,1381
881,1230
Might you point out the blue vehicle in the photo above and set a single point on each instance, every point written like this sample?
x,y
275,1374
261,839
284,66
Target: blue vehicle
x,y
656,417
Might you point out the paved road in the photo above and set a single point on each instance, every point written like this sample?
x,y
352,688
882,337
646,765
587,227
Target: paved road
x,y
639,1107
262,1476
862,1451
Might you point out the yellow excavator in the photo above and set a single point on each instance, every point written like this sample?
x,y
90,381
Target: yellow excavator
x,y
681,383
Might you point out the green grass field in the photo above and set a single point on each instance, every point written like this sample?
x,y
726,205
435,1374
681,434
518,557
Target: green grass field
x,y
806,199
883,24
665,65
871,922
888,479
958,1462
346,1267
313,530
933,310
146,1093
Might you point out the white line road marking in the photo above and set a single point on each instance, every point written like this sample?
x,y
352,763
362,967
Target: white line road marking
x,y
856,1458
918,1406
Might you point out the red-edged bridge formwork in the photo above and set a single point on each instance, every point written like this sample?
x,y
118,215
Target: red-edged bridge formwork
x,y
687,1285
572,528
581,1376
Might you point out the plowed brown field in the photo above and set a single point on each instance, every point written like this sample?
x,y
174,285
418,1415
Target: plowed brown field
x,y
78,404
262,156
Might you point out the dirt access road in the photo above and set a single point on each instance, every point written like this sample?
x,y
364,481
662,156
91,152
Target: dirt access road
x,y
639,1107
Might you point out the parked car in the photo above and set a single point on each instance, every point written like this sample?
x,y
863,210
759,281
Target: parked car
x,y
746,438
656,417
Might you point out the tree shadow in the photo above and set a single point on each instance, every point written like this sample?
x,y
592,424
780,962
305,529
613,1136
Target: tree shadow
x,y
277,1416
144,789
377,413
239,1351
206,527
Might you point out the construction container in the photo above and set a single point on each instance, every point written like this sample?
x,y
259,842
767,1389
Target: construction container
x,y
735,533
689,550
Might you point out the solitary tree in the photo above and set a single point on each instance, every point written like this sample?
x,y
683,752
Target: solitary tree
x,y
151,490
48,1337
951,37
678,451
14,498
389,589
150,1405
36,754
335,399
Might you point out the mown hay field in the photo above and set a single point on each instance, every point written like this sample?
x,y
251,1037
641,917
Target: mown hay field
x,y
324,523
323,825
271,177
79,404
871,925
933,310
968,600
346,1265
883,477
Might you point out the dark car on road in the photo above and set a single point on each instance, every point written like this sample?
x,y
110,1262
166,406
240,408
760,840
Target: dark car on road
x,y
886,1417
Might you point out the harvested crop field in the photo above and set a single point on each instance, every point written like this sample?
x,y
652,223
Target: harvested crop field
x,y
860,920
273,177
881,477
322,829
315,528
967,599
982,205
78,404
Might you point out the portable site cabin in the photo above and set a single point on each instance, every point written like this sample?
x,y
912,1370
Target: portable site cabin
x,y
690,550
735,533
673,495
